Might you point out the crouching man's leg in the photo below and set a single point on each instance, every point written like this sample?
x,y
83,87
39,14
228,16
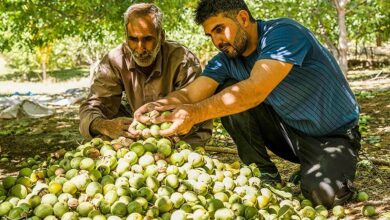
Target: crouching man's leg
x,y
199,135
246,134
328,166
253,131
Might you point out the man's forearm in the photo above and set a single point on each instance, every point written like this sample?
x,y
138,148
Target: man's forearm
x,y
176,97
265,76
234,99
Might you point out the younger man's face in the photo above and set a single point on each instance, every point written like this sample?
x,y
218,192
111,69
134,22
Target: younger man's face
x,y
227,35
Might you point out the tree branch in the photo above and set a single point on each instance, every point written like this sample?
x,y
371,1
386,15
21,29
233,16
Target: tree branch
x,y
380,162
225,150
328,41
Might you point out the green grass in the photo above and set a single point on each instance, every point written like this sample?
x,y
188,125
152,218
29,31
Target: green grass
x,y
360,75
67,74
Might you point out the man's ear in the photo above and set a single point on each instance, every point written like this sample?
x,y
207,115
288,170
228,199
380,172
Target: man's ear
x,y
243,18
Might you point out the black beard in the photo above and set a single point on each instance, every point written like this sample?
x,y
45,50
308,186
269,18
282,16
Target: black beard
x,y
239,45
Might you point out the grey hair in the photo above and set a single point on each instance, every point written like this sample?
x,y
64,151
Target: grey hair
x,y
142,9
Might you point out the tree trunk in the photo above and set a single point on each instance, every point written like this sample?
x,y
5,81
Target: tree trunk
x,y
328,42
332,47
44,70
43,55
378,39
343,43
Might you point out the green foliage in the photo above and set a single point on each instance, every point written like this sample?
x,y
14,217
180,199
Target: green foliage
x,y
80,32
69,52
318,16
368,20
21,58
39,25
191,35
76,51
40,22
67,74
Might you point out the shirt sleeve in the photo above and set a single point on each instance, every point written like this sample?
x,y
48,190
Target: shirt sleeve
x,y
200,133
217,69
188,70
286,43
104,98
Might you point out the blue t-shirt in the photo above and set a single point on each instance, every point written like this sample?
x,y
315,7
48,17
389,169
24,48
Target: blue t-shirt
x,y
314,97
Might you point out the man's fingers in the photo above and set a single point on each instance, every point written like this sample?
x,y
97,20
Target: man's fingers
x,y
140,112
133,131
165,107
170,131
161,119
130,135
137,114
150,107
144,119
125,127
127,121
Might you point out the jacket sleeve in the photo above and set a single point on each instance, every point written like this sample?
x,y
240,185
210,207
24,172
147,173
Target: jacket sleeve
x,y
188,70
104,98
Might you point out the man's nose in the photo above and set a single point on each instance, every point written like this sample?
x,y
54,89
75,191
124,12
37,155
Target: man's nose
x,y
141,46
218,40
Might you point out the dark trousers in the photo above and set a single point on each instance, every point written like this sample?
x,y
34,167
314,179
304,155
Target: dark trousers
x,y
328,163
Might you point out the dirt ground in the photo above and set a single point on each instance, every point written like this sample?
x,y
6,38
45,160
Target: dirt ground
x,y
24,138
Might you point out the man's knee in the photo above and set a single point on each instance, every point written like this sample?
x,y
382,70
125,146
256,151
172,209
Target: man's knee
x,y
320,193
325,192
237,121
200,134
232,118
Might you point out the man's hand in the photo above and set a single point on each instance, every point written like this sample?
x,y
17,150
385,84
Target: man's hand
x,y
133,130
183,118
113,128
140,113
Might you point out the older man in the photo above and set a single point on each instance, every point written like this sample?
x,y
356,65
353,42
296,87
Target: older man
x,y
146,67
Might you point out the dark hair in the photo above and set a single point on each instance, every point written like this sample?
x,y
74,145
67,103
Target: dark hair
x,y
229,8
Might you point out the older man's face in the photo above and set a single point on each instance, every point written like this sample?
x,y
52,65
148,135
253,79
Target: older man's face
x,y
143,40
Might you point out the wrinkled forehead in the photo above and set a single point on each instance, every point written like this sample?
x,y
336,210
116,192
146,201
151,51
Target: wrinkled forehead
x,y
142,24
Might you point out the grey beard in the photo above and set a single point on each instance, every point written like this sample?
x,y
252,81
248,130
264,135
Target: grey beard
x,y
151,57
